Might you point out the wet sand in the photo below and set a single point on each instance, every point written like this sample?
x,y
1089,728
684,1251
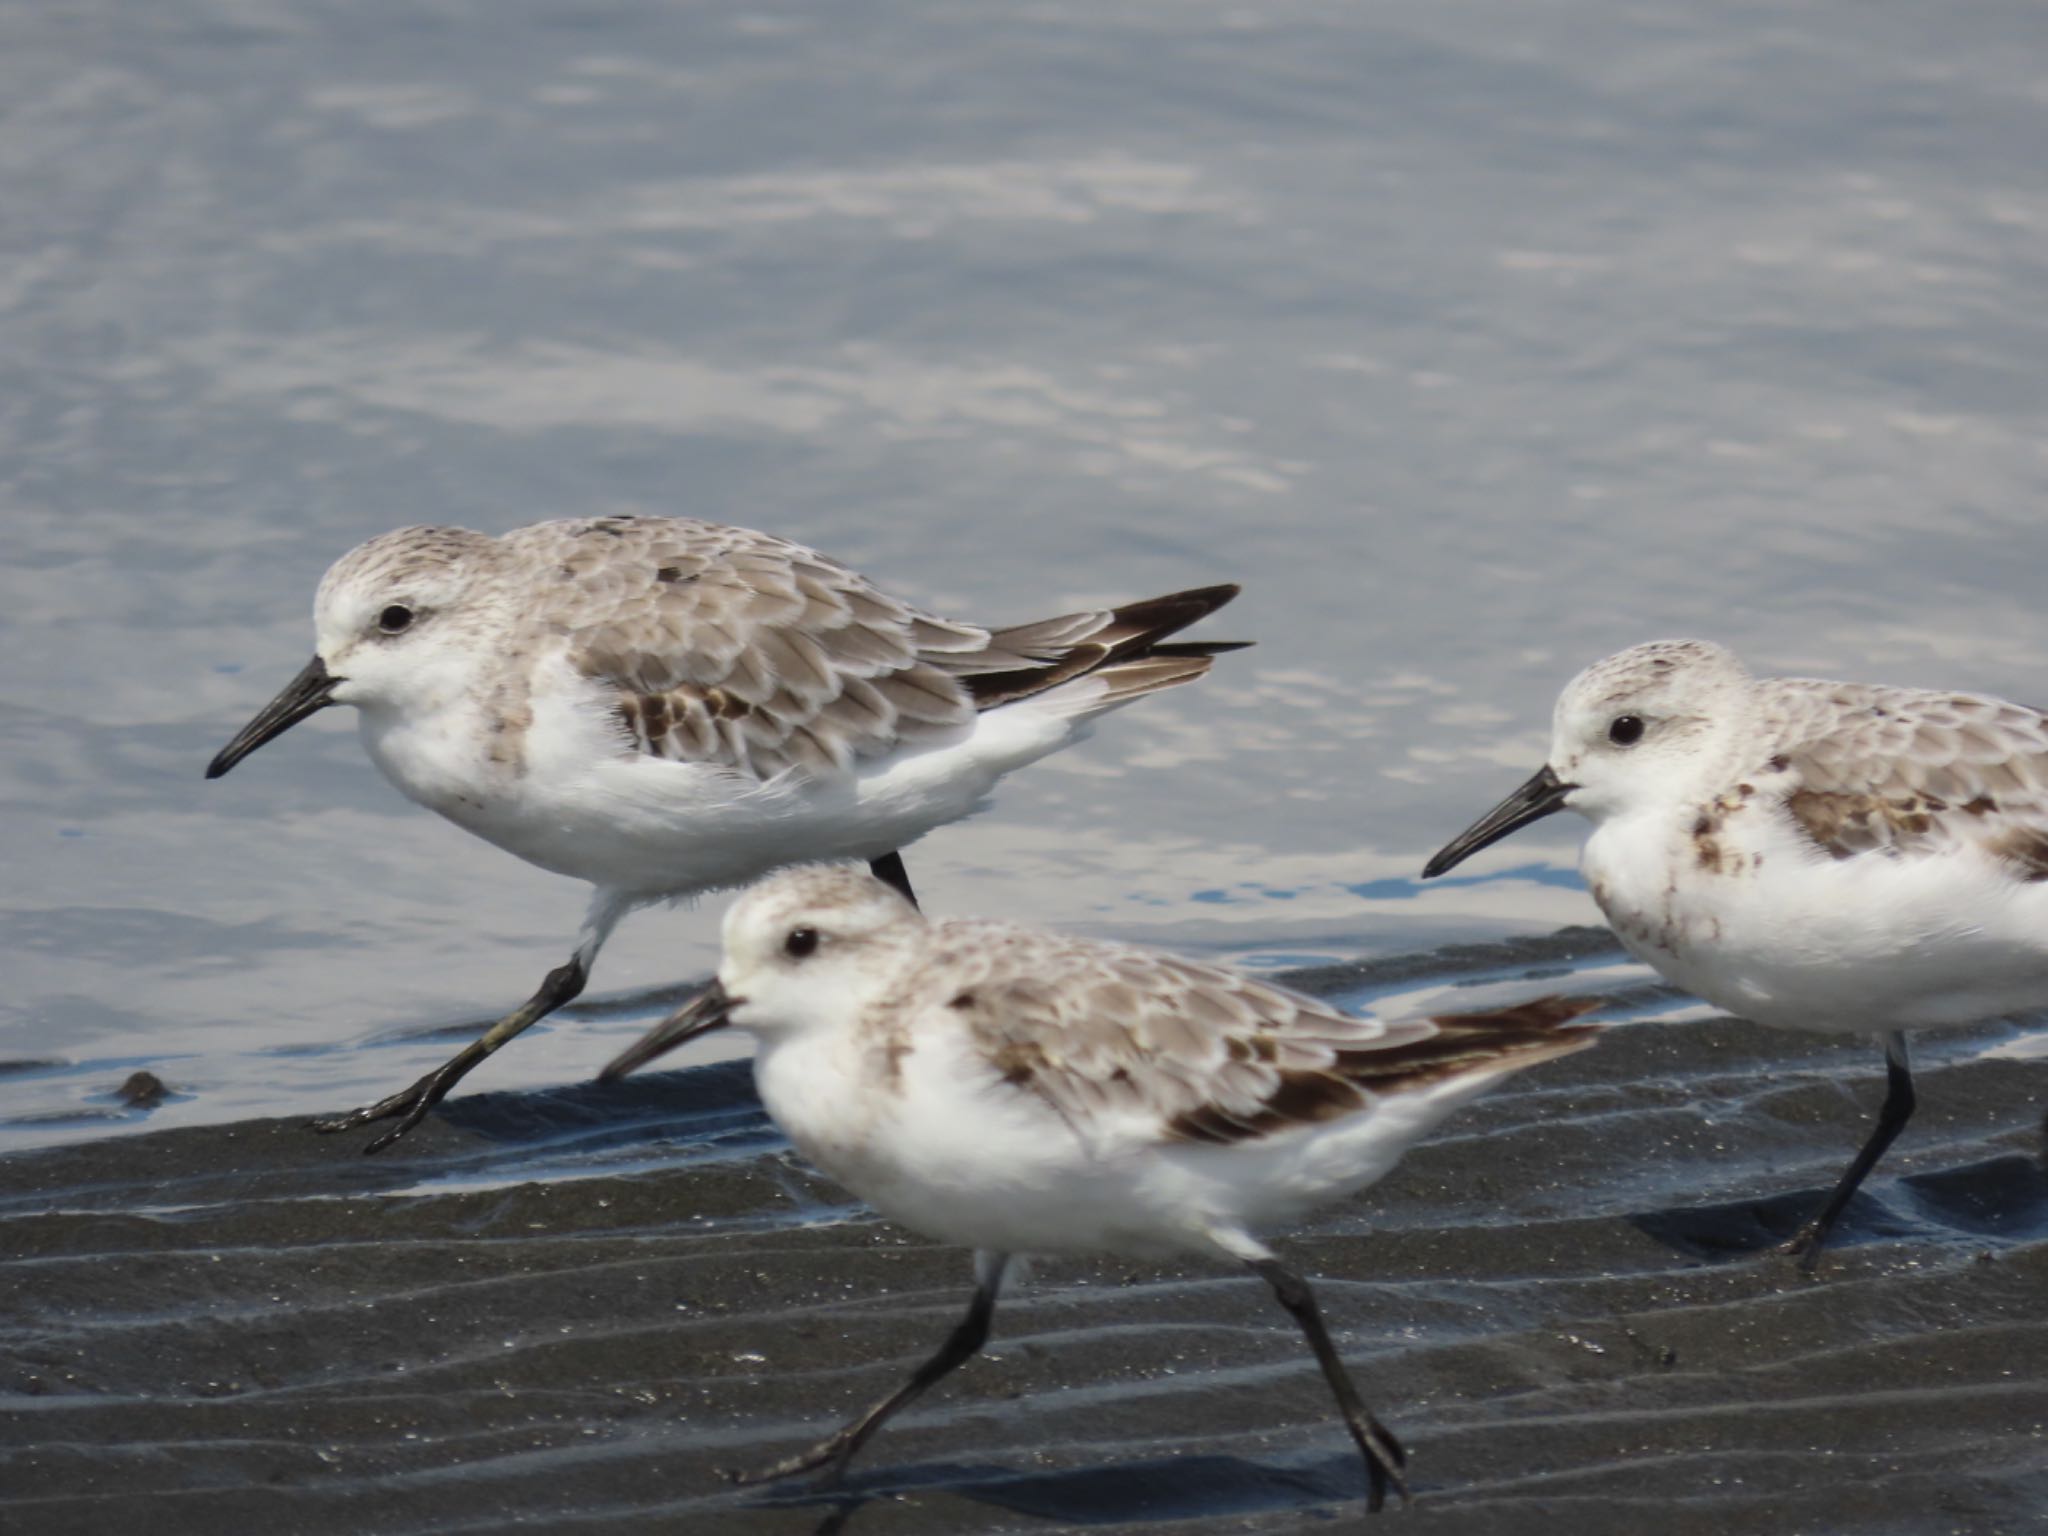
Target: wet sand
x,y
566,1311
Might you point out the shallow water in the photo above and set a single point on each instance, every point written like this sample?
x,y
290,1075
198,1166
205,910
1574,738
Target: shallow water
x,y
1477,340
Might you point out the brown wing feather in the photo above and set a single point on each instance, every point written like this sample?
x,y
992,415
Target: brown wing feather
x,y
1460,1044
1030,658
1207,1054
729,646
1865,769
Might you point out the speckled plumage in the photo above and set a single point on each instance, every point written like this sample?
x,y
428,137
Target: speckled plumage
x,y
728,646
1909,771
1021,1091
1839,857
905,1054
723,645
663,706
1204,1053
1771,839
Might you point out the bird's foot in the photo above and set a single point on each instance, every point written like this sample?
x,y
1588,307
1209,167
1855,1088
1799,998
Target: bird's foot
x,y
409,1106
1384,1459
1803,1247
832,1455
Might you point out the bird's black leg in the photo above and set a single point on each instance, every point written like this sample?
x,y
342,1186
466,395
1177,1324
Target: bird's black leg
x,y
410,1105
961,1345
890,871
1382,1452
1891,1119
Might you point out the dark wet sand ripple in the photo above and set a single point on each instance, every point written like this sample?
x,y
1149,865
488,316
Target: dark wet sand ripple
x,y
566,1311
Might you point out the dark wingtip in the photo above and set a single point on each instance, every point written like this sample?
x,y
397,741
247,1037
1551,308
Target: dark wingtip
x,y
1199,647
1136,631
1142,625
1215,596
1176,610
1546,1015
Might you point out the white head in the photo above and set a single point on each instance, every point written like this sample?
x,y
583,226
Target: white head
x,y
394,624
803,950
1646,725
1645,722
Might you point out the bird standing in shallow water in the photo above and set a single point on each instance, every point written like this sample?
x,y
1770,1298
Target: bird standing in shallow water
x,y
1017,1091
1837,857
663,706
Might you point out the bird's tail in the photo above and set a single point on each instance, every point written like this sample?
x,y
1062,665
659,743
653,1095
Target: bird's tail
x,y
1122,653
1472,1046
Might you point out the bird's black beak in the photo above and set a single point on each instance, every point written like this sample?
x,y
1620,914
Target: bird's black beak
x,y
1542,793
308,693
708,1010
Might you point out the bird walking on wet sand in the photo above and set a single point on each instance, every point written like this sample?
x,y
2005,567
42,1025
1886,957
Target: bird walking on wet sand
x,y
663,706
1836,857
1018,1092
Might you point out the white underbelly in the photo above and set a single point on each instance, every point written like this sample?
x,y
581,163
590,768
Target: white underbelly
x,y
1868,943
673,829
654,827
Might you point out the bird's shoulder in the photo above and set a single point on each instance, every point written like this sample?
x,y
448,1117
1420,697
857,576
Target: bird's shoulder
x,y
1179,1049
726,645
1861,768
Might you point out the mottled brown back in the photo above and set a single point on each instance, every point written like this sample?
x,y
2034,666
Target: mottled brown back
x,y
734,647
1863,769
1098,1030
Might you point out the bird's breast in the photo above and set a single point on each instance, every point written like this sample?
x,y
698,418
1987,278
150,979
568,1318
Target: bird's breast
x,y
444,759
1674,886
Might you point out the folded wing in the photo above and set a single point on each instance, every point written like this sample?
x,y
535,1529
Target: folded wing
x,y
729,646
1122,1041
1867,769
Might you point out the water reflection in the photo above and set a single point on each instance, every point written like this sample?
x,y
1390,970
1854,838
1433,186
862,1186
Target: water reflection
x,y
1477,344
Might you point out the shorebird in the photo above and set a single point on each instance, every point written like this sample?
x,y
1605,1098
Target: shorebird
x,y
1017,1091
662,706
1837,857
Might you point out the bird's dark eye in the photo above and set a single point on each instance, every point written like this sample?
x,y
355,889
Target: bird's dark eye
x,y
1625,730
394,619
801,942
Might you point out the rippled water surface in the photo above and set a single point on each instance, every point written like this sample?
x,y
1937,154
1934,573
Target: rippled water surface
x,y
1476,339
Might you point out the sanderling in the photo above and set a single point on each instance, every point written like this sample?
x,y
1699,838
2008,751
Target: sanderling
x,y
1840,857
1024,1092
663,706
